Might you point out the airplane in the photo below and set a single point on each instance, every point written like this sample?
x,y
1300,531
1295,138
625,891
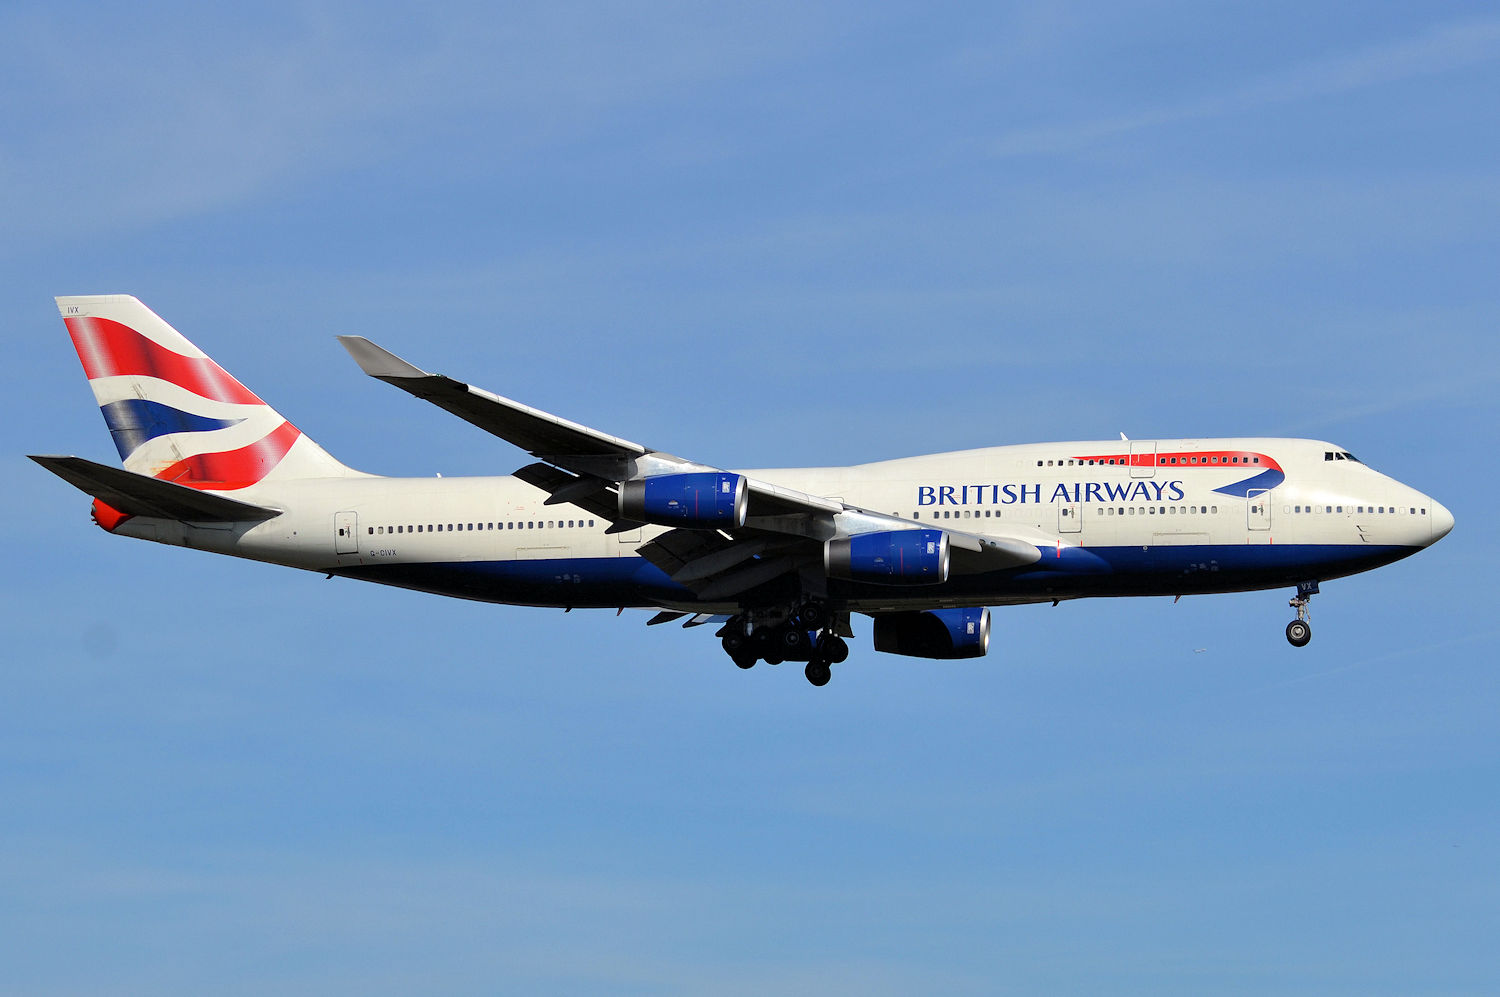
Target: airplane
x,y
781,560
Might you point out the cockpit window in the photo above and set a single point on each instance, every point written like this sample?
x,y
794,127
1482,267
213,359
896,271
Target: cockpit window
x,y
1340,455
1346,455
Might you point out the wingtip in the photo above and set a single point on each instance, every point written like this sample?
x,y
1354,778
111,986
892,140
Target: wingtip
x,y
377,361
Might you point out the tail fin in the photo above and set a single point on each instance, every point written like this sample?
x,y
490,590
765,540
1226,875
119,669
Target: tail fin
x,y
174,413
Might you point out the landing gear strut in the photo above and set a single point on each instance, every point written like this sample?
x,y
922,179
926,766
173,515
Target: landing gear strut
x,y
800,635
1299,631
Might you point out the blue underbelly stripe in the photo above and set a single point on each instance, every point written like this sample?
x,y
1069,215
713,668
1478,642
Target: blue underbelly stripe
x,y
1092,571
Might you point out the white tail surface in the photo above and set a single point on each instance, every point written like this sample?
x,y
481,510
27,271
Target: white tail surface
x,y
174,413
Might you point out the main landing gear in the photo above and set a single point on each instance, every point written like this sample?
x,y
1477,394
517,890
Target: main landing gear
x,y
1299,631
803,635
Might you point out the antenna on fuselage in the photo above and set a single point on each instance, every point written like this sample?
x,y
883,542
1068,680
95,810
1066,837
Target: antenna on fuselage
x,y
1124,437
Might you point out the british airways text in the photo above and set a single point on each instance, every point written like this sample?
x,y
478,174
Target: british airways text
x,y
1077,491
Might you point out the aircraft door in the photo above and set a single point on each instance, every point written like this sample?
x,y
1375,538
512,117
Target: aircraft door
x,y
1069,517
1143,458
1258,506
345,533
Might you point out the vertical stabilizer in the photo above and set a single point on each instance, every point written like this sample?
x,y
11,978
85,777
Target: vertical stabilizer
x,y
174,413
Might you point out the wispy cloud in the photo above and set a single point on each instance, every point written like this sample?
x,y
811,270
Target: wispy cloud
x,y
136,120
1440,49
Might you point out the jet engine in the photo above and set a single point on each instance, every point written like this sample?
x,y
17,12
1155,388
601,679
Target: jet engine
x,y
935,633
703,500
890,557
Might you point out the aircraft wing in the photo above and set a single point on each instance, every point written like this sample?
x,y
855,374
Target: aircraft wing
x,y
560,442
784,530
539,433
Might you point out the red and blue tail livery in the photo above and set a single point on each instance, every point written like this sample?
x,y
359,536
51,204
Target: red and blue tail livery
x,y
173,413
787,564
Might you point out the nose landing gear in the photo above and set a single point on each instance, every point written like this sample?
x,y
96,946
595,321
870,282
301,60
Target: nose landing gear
x,y
1299,631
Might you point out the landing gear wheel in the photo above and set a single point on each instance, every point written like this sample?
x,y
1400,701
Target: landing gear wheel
x,y
833,648
818,672
793,639
734,643
1298,633
745,659
813,616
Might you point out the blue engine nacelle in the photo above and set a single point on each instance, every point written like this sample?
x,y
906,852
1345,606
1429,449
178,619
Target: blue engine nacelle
x,y
936,633
892,557
696,500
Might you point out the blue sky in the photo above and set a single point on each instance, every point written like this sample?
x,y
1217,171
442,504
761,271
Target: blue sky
x,y
801,234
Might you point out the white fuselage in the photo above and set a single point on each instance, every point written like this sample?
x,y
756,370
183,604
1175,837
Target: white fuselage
x,y
1116,517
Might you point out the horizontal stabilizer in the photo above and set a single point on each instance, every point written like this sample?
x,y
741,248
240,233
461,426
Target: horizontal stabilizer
x,y
139,495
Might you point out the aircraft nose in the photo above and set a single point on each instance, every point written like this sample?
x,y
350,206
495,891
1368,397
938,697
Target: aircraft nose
x,y
1442,522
